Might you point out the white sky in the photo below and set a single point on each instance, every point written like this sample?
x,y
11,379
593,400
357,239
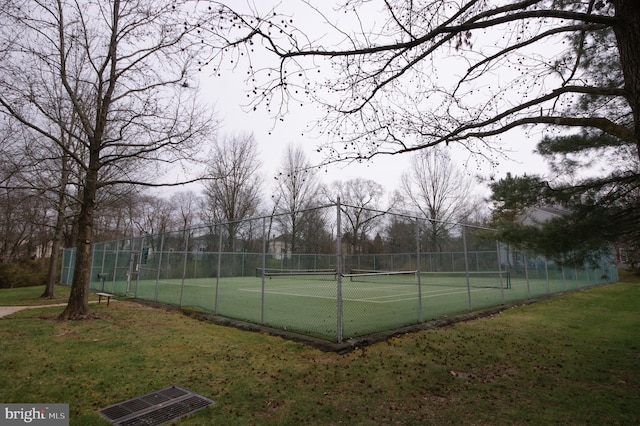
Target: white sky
x,y
227,95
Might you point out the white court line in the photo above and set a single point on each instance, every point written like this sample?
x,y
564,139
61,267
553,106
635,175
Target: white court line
x,y
252,290
371,299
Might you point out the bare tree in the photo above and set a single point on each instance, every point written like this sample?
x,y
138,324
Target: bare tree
x,y
114,218
234,192
51,170
44,171
24,208
59,202
184,205
154,215
397,76
425,73
361,204
400,234
12,192
15,231
297,189
123,70
438,190
130,212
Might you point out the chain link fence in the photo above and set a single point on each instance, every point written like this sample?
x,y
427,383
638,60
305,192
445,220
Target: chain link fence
x,y
333,272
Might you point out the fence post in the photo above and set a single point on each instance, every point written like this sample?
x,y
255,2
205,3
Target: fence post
x,y
466,265
155,296
338,274
219,227
500,270
131,264
104,254
264,265
91,268
184,264
418,269
115,267
72,255
546,273
139,264
62,267
526,274
586,270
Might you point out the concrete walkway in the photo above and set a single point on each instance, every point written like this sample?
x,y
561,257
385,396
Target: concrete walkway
x,y
8,310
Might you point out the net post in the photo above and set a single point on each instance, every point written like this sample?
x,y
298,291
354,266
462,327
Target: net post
x,y
418,269
338,273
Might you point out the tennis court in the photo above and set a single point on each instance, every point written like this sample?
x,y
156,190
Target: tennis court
x,y
307,304
329,287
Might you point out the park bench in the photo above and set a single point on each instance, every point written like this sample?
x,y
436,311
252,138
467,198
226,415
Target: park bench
x,y
107,295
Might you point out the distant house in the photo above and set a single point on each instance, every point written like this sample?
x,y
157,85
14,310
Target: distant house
x,y
201,243
537,215
279,248
210,243
42,250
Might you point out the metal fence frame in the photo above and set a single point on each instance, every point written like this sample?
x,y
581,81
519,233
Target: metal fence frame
x,y
129,258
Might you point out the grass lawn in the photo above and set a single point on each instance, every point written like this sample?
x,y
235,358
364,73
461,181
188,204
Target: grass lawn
x,y
573,359
371,303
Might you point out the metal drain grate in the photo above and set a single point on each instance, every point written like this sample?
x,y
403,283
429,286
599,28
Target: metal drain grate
x,y
156,408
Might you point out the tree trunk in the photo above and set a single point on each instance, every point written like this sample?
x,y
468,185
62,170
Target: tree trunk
x,y
50,287
56,246
78,305
627,31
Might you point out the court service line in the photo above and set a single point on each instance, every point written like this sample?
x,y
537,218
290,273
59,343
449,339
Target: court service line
x,y
371,299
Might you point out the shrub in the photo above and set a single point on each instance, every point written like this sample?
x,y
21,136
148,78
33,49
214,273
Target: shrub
x,y
24,273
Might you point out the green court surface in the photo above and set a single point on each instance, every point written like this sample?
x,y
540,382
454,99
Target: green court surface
x,y
309,304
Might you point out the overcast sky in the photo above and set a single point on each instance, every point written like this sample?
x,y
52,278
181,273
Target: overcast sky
x,y
228,93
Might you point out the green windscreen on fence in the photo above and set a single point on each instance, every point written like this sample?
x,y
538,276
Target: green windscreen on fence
x,y
400,271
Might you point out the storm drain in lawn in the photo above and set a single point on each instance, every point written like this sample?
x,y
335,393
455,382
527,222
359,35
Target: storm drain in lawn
x,y
156,408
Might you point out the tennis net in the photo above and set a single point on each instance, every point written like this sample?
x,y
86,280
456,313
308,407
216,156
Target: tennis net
x,y
476,279
382,277
322,274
